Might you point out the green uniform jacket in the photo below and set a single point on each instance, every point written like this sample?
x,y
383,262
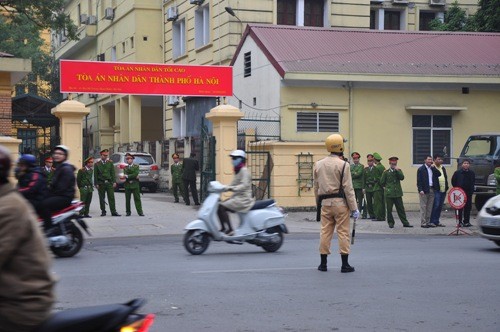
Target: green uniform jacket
x,y
48,174
104,171
391,181
132,181
370,179
381,170
357,174
84,179
176,171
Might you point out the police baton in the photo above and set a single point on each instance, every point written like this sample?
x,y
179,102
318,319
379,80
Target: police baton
x,y
353,230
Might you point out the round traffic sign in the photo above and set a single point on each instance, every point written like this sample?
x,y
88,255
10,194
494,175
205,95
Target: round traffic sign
x,y
457,198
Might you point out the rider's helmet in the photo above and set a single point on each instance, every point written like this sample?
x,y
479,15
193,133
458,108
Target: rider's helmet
x,y
28,160
335,143
5,164
62,148
238,154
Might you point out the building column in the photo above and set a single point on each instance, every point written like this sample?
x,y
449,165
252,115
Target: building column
x,y
134,118
71,114
12,144
225,129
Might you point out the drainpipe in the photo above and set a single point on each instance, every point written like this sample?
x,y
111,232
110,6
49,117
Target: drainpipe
x,y
351,118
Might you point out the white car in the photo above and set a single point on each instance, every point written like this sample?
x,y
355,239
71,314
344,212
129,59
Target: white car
x,y
488,220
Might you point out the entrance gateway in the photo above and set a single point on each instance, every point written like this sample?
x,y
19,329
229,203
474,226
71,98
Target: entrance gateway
x,y
97,77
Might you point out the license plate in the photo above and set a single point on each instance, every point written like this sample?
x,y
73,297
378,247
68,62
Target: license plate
x,y
144,172
495,222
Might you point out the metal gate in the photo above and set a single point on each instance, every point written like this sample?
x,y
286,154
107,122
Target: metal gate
x,y
207,160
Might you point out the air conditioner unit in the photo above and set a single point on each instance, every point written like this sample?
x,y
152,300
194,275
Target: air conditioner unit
x,y
109,13
172,13
400,2
92,95
376,1
437,2
196,2
84,18
172,100
92,20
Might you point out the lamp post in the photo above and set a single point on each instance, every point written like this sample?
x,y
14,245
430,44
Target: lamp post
x,y
230,11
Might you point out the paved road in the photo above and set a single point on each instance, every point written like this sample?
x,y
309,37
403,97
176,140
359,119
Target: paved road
x,y
402,282
163,216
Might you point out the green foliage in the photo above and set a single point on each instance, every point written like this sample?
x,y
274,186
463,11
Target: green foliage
x,y
455,19
45,14
487,18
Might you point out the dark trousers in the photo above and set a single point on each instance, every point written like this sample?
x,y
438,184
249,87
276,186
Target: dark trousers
x,y
50,205
224,218
400,209
369,204
464,214
359,199
194,191
439,197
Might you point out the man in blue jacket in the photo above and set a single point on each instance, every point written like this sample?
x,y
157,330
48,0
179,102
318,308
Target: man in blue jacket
x,y
427,183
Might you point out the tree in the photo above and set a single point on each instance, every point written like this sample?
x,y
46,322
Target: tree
x,y
487,18
45,14
455,19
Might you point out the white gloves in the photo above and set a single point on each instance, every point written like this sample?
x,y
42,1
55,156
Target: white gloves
x,y
355,214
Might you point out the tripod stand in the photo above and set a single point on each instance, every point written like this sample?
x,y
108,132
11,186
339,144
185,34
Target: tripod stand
x,y
458,230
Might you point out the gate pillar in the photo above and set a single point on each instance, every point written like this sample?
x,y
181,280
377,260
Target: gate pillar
x,y
224,120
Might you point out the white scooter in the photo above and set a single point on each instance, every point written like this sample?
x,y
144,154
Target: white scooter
x,y
263,225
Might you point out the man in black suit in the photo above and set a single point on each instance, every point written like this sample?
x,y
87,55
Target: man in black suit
x,y
427,183
189,168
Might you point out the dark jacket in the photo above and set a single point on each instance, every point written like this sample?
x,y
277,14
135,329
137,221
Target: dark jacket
x,y
33,185
464,180
63,181
423,179
189,168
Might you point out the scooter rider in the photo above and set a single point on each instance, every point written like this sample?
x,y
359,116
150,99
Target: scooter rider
x,y
241,186
62,187
335,196
31,182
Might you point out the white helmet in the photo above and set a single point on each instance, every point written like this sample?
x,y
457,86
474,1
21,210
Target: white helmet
x,y
238,153
63,148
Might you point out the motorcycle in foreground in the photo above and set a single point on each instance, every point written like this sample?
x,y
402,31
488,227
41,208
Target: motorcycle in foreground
x,y
102,318
66,239
263,225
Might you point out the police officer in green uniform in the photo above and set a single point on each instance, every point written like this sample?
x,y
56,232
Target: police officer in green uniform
x,y
391,182
48,169
132,187
357,173
104,179
369,180
85,185
497,177
378,195
177,183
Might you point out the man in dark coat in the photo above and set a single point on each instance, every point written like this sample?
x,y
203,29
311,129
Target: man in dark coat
x,y
189,168
465,178
427,183
440,194
31,182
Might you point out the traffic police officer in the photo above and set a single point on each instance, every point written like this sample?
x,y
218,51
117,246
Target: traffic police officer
x,y
335,196
391,182
132,186
177,183
378,194
357,180
84,183
48,169
104,179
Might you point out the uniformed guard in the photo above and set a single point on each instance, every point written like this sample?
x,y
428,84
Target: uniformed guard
x,y
48,169
369,180
335,196
85,185
391,182
378,194
357,181
132,186
497,177
177,183
105,181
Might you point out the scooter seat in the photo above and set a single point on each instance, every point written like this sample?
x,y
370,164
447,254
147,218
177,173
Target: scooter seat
x,y
262,204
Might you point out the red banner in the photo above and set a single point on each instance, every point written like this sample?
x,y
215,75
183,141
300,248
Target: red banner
x,y
99,77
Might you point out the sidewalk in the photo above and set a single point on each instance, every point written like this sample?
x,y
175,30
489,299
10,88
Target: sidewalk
x,y
163,216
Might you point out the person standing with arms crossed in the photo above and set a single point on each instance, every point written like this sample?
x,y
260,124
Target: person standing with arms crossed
x,y
465,178
335,196
84,183
177,184
189,168
132,185
104,179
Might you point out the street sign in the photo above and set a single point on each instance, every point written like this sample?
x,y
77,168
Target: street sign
x,y
457,198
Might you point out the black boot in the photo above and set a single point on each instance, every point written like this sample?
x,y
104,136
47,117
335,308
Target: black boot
x,y
322,265
346,268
